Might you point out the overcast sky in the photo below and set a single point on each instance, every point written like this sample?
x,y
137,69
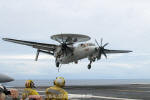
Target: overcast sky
x,y
123,23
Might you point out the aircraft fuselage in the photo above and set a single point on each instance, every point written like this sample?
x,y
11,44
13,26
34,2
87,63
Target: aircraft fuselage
x,y
79,52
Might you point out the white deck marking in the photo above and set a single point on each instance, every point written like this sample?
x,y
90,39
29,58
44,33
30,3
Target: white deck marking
x,y
40,91
73,96
133,91
144,87
76,96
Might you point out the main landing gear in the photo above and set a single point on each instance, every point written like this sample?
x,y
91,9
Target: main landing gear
x,y
89,65
91,60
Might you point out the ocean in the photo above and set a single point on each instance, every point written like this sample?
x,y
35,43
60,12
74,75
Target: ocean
x,y
84,82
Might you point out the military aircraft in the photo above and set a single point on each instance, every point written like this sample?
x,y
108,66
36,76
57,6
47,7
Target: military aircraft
x,y
5,78
66,52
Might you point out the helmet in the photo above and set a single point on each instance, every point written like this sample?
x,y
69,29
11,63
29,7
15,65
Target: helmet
x,y
29,84
60,81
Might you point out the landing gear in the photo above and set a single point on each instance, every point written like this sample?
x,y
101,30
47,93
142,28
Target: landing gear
x,y
91,59
89,65
57,64
76,62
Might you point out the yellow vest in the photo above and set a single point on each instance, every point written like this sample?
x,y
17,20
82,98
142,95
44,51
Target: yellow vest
x,y
27,92
56,93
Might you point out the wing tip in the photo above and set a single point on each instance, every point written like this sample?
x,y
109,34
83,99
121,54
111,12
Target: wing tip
x,y
4,39
130,51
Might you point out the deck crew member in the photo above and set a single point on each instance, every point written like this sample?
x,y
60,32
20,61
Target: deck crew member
x,y
29,90
57,92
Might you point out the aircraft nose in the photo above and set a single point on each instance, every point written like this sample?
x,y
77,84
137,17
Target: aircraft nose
x,y
10,79
5,78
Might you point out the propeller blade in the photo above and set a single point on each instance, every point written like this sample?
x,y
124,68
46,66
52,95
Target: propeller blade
x,y
65,49
58,40
68,39
101,49
101,41
104,53
63,45
105,44
97,42
37,55
99,57
69,43
62,38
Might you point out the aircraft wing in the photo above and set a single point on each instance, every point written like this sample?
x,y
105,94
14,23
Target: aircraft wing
x,y
39,46
116,51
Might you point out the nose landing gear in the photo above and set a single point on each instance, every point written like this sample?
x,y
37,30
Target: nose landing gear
x,y
57,64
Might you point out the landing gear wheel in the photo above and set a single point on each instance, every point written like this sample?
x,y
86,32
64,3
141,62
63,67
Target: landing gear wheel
x,y
57,64
89,66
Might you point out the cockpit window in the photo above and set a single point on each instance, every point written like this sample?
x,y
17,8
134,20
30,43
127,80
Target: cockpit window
x,y
83,45
91,44
86,44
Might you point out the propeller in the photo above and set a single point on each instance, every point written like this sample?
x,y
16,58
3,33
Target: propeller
x,y
101,50
64,45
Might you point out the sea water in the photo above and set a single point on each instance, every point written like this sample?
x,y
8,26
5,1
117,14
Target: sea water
x,y
83,82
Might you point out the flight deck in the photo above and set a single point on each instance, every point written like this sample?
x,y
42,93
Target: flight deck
x,y
104,92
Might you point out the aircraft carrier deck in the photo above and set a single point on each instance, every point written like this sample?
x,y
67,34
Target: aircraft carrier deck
x,y
104,92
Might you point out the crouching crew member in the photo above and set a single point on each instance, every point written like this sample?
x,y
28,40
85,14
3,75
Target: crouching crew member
x,y
5,93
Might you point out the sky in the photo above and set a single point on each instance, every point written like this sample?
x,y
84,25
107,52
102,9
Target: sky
x,y
122,23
